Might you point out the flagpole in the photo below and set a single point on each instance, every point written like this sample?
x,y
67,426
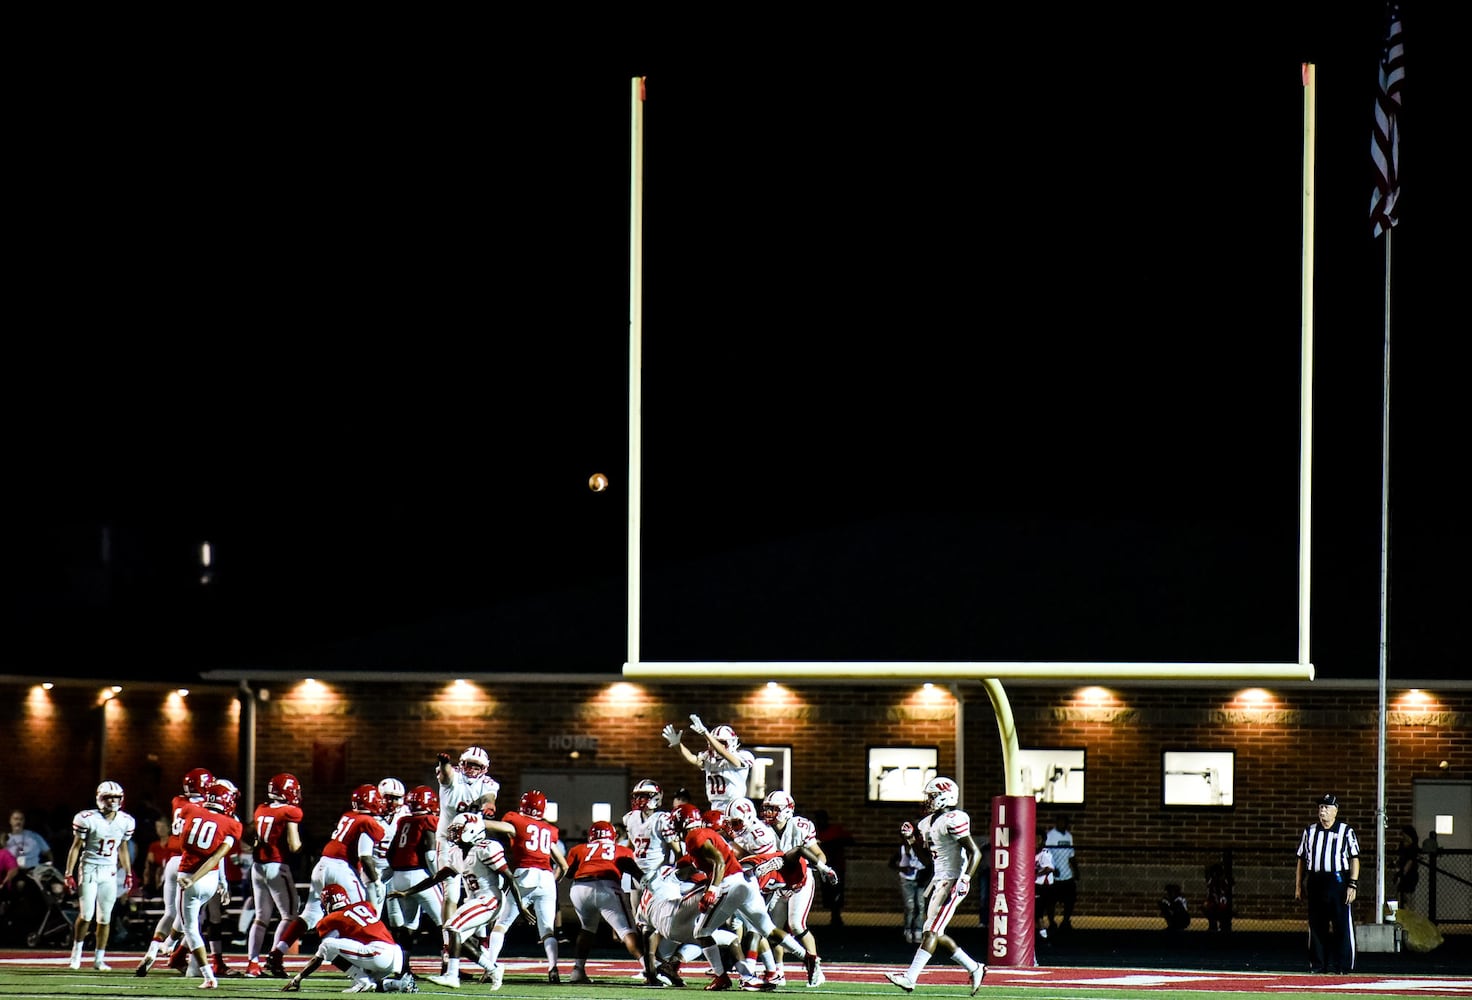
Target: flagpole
x,y
1384,593
1306,371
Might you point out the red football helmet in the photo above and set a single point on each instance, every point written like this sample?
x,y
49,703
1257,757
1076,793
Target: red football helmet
x,y
366,799
335,897
221,797
714,818
533,804
422,799
601,830
198,781
284,788
688,817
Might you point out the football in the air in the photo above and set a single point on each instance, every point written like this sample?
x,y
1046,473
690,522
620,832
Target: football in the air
x,y
597,482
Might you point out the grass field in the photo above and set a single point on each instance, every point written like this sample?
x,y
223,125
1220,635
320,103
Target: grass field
x,y
35,975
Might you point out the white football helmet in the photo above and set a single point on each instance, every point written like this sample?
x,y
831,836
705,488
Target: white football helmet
x,y
109,790
726,735
468,828
741,815
646,793
941,793
778,807
477,758
391,787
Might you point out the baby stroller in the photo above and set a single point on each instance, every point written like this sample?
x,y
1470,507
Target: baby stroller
x,y
55,929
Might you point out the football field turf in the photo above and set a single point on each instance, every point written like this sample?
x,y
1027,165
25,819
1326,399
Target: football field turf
x,y
36,974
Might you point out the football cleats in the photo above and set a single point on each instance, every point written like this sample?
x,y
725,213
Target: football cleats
x,y
284,788
198,781
646,794
533,804
109,790
335,897
468,828
366,799
422,799
476,760
778,807
221,797
941,793
601,830
726,735
687,817
742,816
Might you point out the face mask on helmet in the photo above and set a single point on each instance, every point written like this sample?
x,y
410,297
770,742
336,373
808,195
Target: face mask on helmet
x,y
109,796
646,795
335,897
602,830
726,735
688,818
474,762
941,793
221,797
471,828
777,808
741,815
366,799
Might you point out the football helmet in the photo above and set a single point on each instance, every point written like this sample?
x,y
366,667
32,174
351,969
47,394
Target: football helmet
x,y
366,799
646,794
198,781
109,790
474,758
601,830
468,828
221,796
778,807
741,816
392,790
688,817
726,735
714,818
284,788
941,793
533,803
422,799
335,897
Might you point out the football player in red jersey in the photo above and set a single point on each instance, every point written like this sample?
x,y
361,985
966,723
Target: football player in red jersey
x,y
196,782
210,831
728,892
411,859
347,861
538,862
597,868
353,936
277,829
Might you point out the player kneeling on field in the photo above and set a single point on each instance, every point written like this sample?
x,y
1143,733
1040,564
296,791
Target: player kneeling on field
x,y
357,942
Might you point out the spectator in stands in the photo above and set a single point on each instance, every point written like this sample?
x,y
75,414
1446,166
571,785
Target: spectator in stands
x,y
910,866
1219,883
27,847
1065,874
1174,909
1042,878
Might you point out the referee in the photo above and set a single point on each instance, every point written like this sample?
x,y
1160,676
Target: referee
x,y
1328,876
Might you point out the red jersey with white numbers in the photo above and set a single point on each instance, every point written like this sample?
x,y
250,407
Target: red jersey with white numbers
x,y
358,922
204,831
409,838
599,860
348,842
176,825
270,824
695,838
532,845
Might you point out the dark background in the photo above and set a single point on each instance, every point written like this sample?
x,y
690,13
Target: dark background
x,y
958,345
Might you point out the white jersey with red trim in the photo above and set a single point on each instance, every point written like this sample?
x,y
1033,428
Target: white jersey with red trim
x,y
943,833
648,837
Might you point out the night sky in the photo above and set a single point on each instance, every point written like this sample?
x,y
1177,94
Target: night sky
x,y
954,350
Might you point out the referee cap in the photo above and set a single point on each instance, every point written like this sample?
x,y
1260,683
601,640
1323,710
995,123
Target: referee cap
x,y
1328,799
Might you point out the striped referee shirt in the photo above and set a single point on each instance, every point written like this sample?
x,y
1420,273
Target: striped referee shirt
x,y
1329,850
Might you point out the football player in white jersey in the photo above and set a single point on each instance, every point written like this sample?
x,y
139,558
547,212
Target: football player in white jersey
x,y
796,837
942,838
100,846
649,833
392,791
465,786
726,766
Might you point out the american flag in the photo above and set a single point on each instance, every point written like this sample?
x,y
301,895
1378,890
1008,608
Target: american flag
x,y
1385,142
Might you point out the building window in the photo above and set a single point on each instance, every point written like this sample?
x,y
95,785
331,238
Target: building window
x,y
773,770
899,774
1052,774
1198,779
